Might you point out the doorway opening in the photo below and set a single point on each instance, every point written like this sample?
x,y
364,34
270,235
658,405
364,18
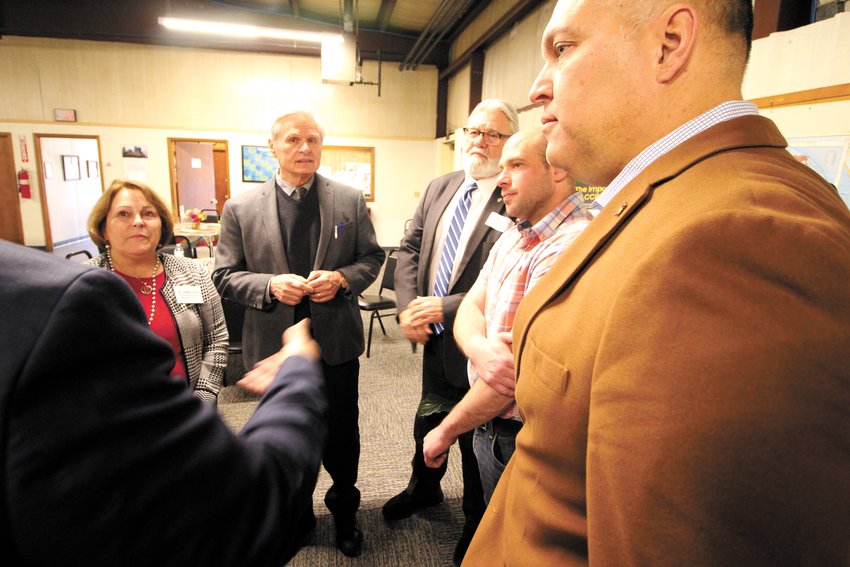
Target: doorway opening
x,y
199,176
69,169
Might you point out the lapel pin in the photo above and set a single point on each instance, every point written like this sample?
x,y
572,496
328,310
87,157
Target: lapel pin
x,y
621,209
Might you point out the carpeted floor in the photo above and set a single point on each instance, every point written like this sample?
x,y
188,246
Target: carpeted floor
x,y
390,383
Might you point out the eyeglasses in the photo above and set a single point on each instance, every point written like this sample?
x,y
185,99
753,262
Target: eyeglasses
x,y
491,137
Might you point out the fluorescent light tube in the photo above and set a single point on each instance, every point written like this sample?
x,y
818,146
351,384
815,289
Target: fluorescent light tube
x,y
246,31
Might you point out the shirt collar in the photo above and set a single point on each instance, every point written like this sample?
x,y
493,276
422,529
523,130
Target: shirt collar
x,y
720,113
486,185
288,187
547,226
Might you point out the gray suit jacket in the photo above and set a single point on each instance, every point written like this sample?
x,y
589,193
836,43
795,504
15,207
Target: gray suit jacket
x,y
250,252
417,248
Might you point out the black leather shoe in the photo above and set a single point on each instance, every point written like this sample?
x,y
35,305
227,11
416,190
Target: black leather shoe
x,y
349,538
463,545
404,505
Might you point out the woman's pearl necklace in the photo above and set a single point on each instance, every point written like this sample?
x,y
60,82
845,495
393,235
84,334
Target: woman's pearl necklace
x,y
146,289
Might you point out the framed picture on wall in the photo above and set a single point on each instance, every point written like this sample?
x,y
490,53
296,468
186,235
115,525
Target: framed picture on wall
x,y
258,164
92,169
71,167
352,165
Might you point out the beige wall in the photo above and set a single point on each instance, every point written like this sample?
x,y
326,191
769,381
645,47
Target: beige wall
x,y
485,20
140,95
171,87
811,57
512,63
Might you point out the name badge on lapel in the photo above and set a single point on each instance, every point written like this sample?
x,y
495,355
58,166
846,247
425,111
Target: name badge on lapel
x,y
188,294
499,222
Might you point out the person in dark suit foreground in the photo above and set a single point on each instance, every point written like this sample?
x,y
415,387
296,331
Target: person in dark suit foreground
x,y
106,460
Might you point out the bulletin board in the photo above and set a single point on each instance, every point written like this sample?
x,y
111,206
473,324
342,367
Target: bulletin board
x,y
351,165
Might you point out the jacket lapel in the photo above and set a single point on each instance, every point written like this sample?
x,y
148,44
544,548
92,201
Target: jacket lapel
x,y
494,204
270,222
429,230
326,216
745,132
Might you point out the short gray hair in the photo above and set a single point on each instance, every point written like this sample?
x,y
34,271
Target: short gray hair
x,y
293,116
504,107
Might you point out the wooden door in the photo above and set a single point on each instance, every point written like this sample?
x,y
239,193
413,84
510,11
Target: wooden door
x,y
199,177
222,181
11,227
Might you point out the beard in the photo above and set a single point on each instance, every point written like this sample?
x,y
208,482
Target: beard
x,y
480,167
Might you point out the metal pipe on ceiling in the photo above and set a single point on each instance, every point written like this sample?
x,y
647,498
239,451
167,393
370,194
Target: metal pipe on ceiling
x,y
428,26
427,51
385,12
348,16
439,28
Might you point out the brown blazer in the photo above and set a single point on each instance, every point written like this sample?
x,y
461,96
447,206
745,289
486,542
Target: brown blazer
x,y
684,373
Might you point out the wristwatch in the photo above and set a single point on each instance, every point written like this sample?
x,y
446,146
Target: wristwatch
x,y
343,283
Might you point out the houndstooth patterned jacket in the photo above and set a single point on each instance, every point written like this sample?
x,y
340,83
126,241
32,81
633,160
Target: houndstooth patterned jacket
x,y
202,330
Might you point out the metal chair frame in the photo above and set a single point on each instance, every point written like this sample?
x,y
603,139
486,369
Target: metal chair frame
x,y
379,302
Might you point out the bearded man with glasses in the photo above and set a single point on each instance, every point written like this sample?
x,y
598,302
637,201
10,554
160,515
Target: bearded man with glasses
x,y
454,227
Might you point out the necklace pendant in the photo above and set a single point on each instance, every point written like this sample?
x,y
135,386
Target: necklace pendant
x,y
146,289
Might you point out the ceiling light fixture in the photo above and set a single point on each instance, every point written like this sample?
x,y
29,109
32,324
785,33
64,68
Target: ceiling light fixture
x,y
246,31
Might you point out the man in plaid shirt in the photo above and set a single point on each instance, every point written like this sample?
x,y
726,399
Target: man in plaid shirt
x,y
550,214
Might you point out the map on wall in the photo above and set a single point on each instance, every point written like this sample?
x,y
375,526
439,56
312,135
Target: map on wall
x,y
828,156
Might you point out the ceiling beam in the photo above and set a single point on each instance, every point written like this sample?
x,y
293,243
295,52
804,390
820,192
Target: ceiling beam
x,y
394,48
385,12
497,30
295,8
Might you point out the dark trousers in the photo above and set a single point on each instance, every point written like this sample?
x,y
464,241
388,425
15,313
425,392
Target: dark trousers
x,y
342,448
435,381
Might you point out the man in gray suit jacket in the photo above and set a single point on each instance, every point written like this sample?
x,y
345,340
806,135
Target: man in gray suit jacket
x,y
303,246
430,284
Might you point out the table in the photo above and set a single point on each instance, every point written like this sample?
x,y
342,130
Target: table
x,y
206,231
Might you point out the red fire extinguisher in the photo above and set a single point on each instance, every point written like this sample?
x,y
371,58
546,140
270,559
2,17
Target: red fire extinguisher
x,y
24,184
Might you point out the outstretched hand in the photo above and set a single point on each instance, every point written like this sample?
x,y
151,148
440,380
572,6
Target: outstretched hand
x,y
297,341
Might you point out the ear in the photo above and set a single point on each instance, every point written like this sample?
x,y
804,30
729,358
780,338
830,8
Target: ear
x,y
558,174
678,27
271,145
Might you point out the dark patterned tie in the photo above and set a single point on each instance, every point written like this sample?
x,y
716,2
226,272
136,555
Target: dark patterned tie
x,y
298,194
447,260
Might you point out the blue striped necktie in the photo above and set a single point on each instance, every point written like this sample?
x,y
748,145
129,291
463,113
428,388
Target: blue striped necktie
x,y
447,260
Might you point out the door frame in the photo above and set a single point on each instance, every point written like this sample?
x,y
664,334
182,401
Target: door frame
x,y
18,220
39,164
172,170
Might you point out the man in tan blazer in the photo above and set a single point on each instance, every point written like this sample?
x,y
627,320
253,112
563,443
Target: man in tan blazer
x,y
683,370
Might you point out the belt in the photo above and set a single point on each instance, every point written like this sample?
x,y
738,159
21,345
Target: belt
x,y
506,425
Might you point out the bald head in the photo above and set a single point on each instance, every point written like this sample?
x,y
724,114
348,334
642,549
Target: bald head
x,y
531,188
618,76
530,143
